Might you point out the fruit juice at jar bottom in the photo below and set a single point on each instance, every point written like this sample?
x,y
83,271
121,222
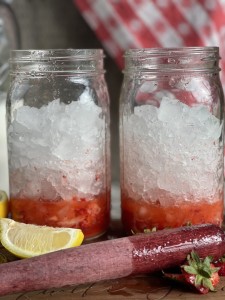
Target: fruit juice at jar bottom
x,y
91,216
138,215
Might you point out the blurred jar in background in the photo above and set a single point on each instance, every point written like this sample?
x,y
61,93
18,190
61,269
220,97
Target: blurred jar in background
x,y
58,139
171,138
4,71
9,39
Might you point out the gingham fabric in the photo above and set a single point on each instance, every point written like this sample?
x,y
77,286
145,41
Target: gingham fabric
x,y
124,24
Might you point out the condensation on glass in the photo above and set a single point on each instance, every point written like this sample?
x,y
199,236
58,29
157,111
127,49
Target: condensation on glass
x,y
171,138
58,139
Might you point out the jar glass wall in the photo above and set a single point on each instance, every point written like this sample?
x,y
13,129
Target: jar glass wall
x,y
58,139
171,138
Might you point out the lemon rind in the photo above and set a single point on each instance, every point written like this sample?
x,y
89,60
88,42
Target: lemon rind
x,y
3,204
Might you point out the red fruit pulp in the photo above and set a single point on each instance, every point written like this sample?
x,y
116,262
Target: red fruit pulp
x,y
91,216
138,215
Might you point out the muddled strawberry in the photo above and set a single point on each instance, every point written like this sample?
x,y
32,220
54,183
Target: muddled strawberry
x,y
137,215
220,264
90,215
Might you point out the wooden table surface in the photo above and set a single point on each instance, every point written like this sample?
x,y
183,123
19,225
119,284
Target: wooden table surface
x,y
151,287
138,288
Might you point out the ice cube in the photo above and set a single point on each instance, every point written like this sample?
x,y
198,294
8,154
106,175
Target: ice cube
x,y
172,110
86,96
148,86
29,118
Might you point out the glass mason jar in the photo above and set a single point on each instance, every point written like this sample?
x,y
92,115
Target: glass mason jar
x,y
171,138
58,139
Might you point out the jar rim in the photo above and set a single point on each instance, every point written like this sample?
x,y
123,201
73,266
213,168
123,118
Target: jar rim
x,y
61,54
181,59
135,52
65,62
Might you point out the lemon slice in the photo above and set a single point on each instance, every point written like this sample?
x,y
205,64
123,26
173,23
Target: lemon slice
x,y
3,204
26,240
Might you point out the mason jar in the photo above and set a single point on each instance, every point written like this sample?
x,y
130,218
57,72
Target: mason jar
x,y
171,138
58,139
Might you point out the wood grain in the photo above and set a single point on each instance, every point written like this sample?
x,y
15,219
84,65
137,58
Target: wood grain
x,y
138,288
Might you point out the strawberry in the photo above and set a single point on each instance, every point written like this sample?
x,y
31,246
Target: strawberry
x,y
199,273
202,275
220,264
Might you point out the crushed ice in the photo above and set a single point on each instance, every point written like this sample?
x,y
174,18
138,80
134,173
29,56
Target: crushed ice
x,y
58,149
173,149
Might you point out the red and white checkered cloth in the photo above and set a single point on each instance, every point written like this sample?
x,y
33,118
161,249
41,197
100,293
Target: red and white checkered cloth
x,y
124,24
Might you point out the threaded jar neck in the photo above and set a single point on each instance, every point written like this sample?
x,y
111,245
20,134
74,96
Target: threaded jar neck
x,y
186,59
60,61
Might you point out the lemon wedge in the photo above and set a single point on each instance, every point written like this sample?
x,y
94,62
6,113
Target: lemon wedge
x,y
3,204
26,240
